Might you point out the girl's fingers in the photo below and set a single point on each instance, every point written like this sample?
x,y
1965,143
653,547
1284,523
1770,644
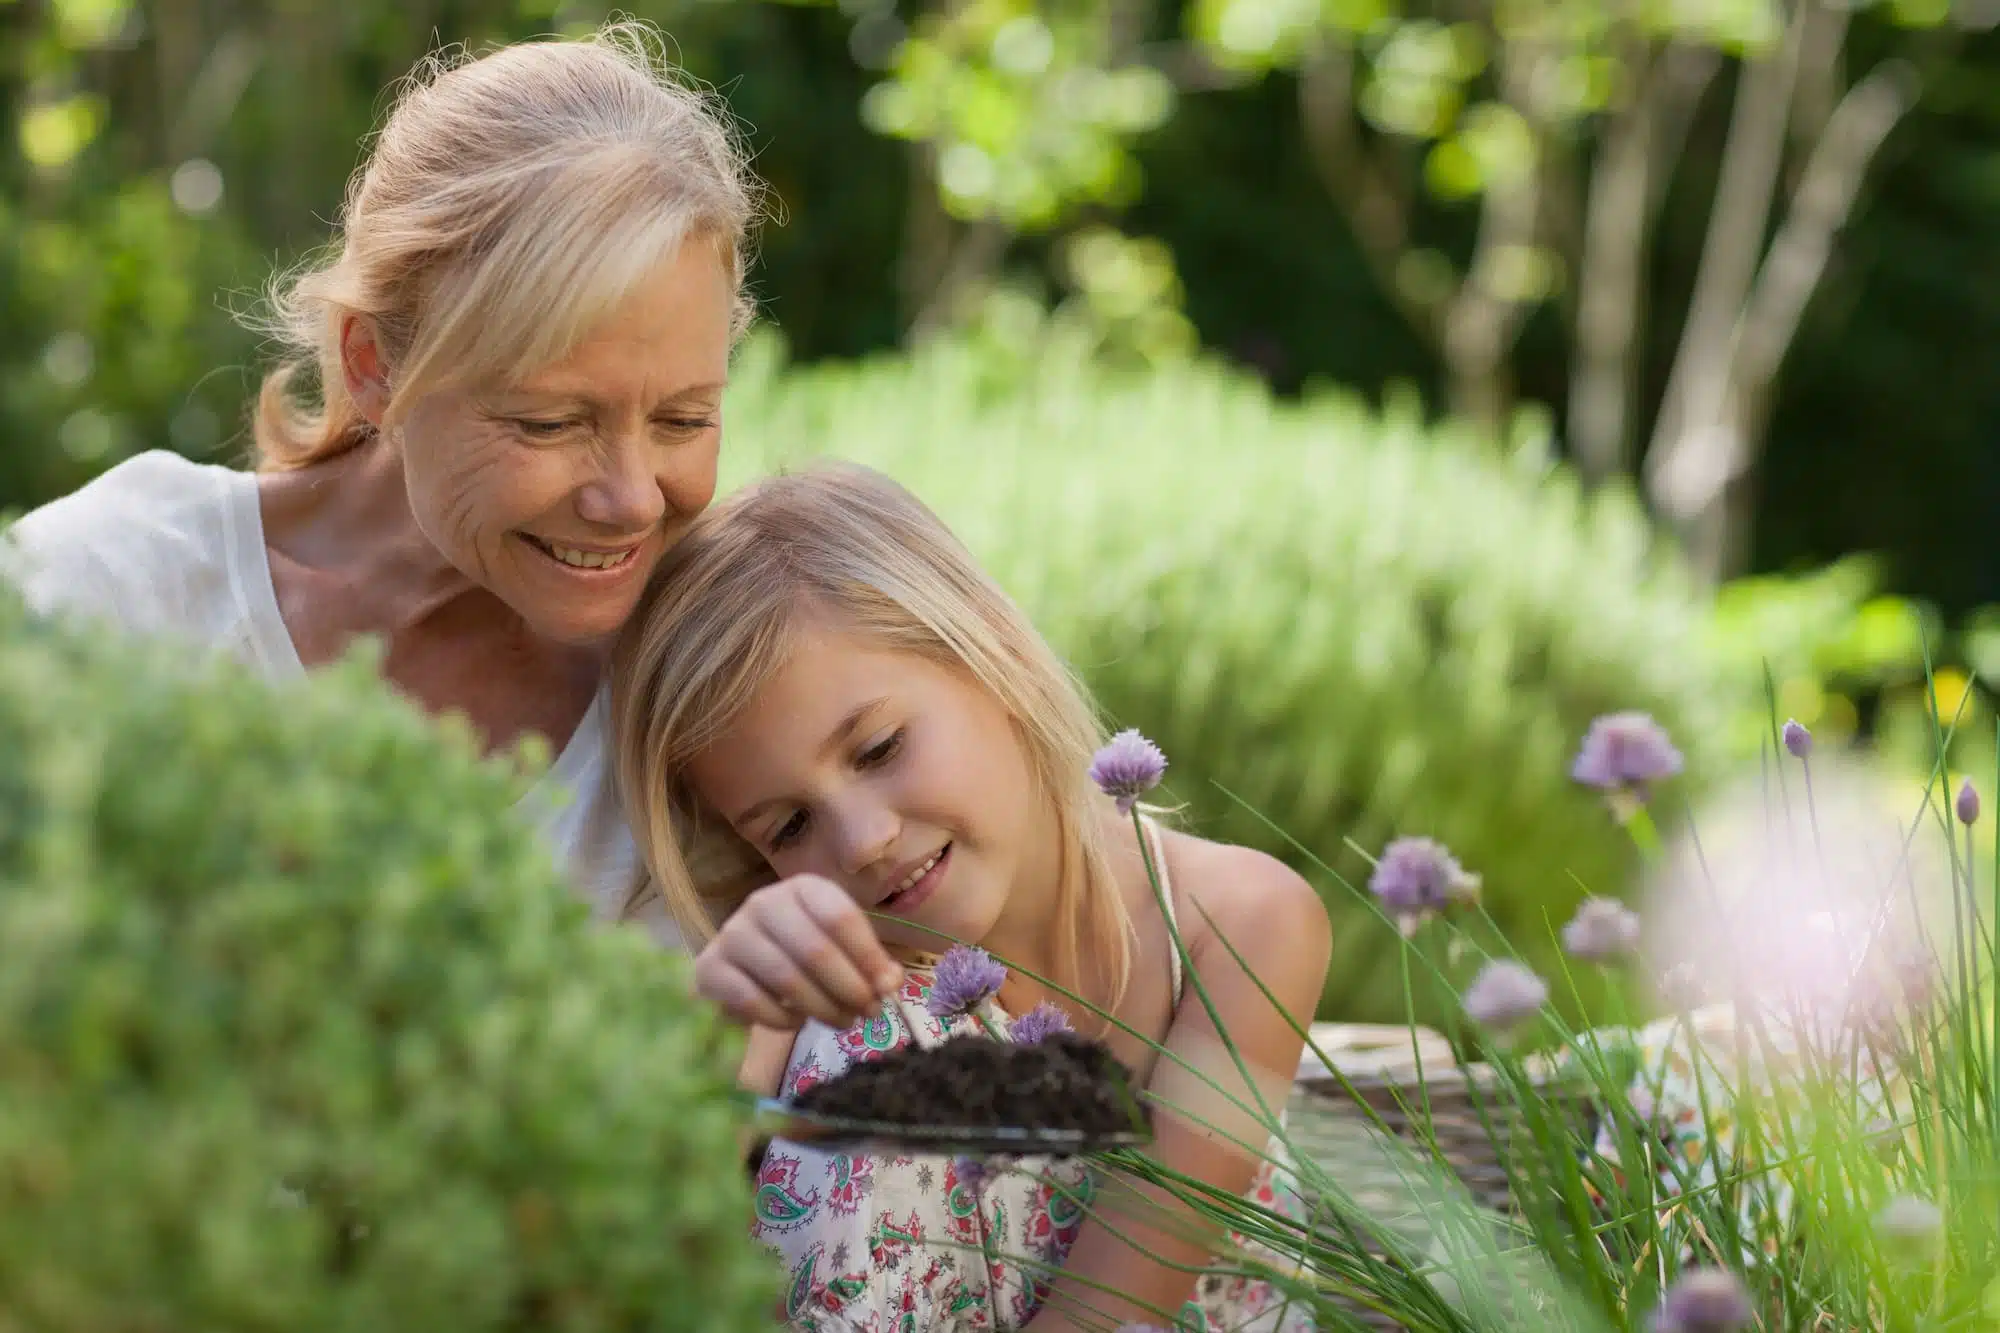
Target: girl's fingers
x,y
771,961
738,994
795,950
820,960
847,927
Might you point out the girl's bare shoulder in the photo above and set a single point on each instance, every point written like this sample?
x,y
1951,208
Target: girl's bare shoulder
x,y
1241,886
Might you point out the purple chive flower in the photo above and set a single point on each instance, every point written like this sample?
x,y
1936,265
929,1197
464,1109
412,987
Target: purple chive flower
x,y
1417,876
1624,754
971,1175
1968,803
965,978
1797,739
1912,975
1704,1300
1039,1024
1504,995
1126,767
1601,930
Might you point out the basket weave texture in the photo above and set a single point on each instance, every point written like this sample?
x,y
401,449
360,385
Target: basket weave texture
x,y
1428,1103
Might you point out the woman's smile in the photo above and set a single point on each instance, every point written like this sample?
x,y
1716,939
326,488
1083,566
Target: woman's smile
x,y
595,564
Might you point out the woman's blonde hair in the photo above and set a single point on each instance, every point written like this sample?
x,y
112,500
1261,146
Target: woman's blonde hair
x,y
509,203
840,545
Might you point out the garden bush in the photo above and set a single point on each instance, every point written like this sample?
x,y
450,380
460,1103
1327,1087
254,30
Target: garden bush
x,y
300,1031
1358,628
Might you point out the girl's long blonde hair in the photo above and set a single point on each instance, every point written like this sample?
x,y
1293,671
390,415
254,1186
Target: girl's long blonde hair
x,y
843,545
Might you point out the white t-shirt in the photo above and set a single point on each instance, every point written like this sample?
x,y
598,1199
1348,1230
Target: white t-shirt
x,y
165,546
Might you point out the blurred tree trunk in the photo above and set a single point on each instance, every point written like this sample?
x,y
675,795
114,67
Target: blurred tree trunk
x,y
1749,298
944,260
1628,179
1370,185
1469,322
1794,134
1482,320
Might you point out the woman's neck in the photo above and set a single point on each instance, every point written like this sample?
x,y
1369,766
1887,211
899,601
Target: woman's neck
x,y
348,523
348,559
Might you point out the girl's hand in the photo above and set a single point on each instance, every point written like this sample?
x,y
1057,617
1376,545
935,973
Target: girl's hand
x,y
797,949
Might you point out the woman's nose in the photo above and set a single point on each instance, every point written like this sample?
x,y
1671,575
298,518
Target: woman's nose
x,y
625,493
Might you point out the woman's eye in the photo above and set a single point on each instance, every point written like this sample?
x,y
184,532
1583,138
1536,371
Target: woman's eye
x,y
688,425
537,428
882,751
789,831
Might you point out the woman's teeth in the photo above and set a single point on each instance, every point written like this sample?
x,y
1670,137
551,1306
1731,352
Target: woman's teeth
x,y
570,555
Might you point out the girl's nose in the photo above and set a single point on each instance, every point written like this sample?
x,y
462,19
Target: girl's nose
x,y
866,833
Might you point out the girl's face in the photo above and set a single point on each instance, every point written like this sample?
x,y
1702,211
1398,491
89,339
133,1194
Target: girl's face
x,y
899,779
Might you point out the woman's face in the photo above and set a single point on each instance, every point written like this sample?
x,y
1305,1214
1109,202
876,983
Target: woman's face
x,y
559,494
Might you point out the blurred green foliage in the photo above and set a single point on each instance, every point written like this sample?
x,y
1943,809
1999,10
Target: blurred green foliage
x,y
159,159
120,305
1353,627
301,1029
1027,108
185,147
1855,664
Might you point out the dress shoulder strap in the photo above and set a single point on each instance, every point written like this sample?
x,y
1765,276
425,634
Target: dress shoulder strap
x,y
1156,848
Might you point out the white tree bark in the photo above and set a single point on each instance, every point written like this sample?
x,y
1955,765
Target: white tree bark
x,y
1627,181
1829,187
1695,471
1751,160
1483,319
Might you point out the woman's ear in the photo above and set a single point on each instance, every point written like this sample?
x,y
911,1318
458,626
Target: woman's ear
x,y
364,368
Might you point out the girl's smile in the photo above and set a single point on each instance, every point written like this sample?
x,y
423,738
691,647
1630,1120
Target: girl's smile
x,y
915,889
896,777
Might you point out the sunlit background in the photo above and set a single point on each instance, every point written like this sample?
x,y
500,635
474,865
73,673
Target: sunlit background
x,y
1364,396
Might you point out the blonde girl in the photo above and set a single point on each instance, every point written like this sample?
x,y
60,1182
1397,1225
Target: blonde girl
x,y
822,678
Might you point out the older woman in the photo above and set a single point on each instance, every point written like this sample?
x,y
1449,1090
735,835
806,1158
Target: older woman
x,y
501,404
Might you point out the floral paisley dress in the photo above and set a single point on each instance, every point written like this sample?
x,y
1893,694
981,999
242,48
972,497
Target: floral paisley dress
x,y
878,1243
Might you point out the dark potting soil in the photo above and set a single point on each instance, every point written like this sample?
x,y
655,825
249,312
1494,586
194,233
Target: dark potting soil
x,y
1064,1082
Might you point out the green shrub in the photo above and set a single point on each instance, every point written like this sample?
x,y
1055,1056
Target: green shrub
x,y
1358,629
300,1031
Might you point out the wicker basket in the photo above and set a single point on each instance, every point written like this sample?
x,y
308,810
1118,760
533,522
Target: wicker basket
x,y
1442,1106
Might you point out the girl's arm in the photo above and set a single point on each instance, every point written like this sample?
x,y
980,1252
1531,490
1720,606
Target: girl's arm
x,y
765,1055
1139,1241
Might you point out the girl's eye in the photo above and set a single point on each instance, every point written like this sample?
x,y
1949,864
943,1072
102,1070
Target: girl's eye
x,y
883,750
789,831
